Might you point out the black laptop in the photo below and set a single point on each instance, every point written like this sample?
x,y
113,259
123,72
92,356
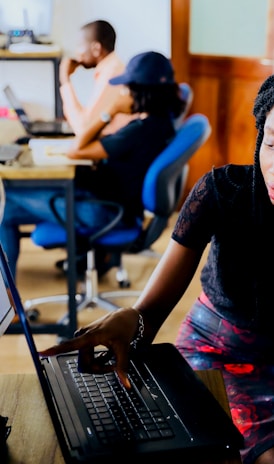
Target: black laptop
x,y
168,413
36,128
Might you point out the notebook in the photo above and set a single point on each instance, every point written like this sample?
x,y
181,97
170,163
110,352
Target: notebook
x,y
36,128
168,413
47,151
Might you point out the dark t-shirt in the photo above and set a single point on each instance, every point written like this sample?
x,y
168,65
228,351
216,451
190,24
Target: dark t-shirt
x,y
236,278
130,151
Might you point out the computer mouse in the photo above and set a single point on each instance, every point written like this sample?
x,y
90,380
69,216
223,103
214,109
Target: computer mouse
x,y
23,140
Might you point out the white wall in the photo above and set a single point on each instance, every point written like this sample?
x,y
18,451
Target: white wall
x,y
133,24
140,26
228,27
222,27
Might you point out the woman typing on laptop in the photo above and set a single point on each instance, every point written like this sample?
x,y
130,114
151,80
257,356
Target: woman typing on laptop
x,y
228,327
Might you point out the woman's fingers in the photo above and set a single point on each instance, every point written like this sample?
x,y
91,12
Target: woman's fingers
x,y
64,347
115,332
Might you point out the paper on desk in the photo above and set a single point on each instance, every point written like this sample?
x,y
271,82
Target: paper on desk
x,y
53,152
27,47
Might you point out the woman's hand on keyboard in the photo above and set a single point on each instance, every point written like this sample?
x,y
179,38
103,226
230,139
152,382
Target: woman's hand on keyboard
x,y
115,331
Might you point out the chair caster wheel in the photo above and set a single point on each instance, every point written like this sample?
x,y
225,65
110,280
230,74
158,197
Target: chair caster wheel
x,y
33,314
124,284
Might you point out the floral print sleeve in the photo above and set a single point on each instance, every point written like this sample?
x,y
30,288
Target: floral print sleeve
x,y
196,220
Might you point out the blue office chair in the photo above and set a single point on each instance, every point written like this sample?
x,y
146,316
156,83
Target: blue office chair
x,y
162,190
186,95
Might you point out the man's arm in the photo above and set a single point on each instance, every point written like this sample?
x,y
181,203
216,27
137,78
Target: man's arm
x,y
87,145
122,103
69,99
79,116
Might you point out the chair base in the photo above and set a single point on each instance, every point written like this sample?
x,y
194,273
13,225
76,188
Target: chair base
x,y
90,298
82,302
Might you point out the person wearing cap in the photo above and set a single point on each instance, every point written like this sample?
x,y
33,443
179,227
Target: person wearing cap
x,y
231,210
148,92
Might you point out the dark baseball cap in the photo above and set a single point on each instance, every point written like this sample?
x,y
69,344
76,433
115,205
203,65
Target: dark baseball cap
x,y
149,68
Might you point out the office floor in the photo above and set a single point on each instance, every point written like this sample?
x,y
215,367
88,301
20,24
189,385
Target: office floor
x,y
38,276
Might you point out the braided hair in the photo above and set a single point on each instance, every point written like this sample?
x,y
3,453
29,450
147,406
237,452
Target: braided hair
x,y
262,208
264,102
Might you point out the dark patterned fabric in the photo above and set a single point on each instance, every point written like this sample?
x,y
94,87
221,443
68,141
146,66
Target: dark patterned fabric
x,y
231,327
209,341
236,279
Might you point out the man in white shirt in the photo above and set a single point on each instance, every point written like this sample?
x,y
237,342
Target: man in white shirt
x,y
95,49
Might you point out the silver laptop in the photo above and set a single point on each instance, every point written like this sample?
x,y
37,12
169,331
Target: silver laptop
x,y
9,152
168,413
36,128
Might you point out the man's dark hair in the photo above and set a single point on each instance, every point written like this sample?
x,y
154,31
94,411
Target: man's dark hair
x,y
103,32
162,99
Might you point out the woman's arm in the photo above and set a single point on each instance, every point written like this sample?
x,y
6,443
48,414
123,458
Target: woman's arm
x,y
92,151
166,286
117,329
122,104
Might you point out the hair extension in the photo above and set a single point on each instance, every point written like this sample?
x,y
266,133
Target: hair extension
x,y
264,102
159,99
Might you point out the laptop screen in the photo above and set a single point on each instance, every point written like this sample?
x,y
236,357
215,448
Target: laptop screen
x,y
17,106
7,312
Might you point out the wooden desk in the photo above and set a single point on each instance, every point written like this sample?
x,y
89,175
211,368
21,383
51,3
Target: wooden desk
x,y
29,176
53,56
32,438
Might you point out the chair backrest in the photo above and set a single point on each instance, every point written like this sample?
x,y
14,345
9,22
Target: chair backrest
x,y
186,92
165,178
186,95
162,190
160,195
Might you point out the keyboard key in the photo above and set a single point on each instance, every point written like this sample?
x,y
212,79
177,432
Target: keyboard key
x,y
119,414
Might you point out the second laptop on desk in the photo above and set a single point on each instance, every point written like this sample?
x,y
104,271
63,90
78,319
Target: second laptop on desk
x,y
36,128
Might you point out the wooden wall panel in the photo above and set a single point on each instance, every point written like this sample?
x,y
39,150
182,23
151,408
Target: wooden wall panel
x,y
224,90
240,127
225,94
180,13
205,101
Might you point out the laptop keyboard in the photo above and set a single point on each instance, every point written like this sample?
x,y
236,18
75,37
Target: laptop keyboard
x,y
119,414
